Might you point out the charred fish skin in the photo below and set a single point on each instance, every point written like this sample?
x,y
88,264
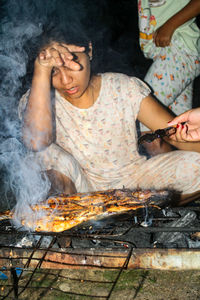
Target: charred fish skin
x,y
100,198
139,195
161,198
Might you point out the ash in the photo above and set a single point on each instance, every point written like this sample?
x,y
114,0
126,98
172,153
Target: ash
x,y
30,241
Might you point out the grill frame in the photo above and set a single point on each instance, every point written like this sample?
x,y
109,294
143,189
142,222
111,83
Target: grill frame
x,y
38,258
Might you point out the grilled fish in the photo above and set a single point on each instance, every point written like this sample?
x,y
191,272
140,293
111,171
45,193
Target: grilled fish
x,y
59,213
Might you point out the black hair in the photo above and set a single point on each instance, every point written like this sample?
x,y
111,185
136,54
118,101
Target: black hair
x,y
67,24
76,22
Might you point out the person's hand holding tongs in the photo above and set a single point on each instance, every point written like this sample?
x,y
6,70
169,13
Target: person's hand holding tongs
x,y
159,133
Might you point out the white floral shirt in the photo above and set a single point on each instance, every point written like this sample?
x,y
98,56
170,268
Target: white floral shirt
x,y
103,138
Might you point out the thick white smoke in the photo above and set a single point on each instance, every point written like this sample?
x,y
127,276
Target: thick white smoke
x,y
21,23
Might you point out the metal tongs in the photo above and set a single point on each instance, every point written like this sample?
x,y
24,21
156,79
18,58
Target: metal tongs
x,y
159,133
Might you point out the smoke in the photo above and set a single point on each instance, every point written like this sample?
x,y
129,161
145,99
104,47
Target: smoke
x,y
18,27
22,182
24,179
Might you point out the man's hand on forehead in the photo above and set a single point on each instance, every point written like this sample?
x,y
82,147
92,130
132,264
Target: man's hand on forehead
x,y
57,55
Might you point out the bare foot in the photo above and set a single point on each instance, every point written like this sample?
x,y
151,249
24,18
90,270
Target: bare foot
x,y
158,146
60,183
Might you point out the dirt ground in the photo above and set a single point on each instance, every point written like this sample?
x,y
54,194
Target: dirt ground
x,y
83,284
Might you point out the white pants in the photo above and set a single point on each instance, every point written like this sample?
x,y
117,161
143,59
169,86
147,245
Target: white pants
x,y
176,170
57,159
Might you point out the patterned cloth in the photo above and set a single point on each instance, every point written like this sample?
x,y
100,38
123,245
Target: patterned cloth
x,y
153,14
97,147
175,67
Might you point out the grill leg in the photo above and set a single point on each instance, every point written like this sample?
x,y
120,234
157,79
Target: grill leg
x,y
15,282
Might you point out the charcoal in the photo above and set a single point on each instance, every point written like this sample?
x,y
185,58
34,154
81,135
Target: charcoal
x,y
81,243
179,239
137,239
192,244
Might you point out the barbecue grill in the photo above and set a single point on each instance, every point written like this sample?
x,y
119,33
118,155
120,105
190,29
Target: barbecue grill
x,y
155,239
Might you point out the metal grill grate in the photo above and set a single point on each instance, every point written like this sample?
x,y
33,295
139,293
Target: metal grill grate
x,y
45,266
23,266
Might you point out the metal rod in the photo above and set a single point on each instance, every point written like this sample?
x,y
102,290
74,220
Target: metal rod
x,y
119,274
88,235
167,259
15,281
38,265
